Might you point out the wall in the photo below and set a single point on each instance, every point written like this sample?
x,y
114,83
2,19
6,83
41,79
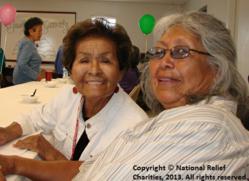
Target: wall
x,y
193,5
127,14
242,37
55,26
223,9
234,13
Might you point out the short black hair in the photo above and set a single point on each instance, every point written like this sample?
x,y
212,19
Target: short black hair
x,y
30,23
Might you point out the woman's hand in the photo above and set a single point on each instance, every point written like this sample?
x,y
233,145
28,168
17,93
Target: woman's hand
x,y
31,143
39,144
37,169
41,74
10,133
3,136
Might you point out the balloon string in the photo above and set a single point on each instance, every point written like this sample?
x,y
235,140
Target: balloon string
x,y
5,38
146,43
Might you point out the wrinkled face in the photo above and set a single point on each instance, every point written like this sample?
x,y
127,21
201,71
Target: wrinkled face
x,y
35,33
95,70
172,80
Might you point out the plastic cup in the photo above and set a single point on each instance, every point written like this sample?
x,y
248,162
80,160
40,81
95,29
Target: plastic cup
x,y
48,76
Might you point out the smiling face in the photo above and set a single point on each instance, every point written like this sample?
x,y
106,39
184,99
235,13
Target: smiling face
x,y
173,80
95,70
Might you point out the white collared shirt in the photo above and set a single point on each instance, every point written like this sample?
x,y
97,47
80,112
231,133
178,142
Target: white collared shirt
x,y
59,117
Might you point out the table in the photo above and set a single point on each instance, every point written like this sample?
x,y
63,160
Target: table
x,y
11,99
12,105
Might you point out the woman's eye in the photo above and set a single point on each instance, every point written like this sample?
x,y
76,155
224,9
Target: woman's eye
x,y
84,60
105,60
181,51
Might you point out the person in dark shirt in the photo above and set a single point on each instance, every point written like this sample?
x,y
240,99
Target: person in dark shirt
x,y
131,76
58,62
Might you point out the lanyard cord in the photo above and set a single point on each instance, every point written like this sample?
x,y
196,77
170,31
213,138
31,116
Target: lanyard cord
x,y
76,130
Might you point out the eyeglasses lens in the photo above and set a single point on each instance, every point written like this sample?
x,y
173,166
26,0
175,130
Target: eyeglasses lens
x,y
156,53
179,52
176,52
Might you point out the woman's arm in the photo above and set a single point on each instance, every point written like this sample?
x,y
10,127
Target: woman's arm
x,y
39,170
2,178
39,144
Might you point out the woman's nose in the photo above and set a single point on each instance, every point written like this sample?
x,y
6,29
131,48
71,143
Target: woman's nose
x,y
94,67
167,61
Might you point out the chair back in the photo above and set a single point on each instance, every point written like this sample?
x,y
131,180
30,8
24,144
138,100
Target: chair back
x,y
135,92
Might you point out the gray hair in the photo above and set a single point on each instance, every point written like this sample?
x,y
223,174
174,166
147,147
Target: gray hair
x,y
218,42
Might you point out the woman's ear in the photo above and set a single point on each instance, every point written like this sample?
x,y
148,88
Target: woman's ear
x,y
31,31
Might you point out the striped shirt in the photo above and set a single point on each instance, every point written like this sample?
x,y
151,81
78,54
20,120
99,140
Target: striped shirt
x,y
205,141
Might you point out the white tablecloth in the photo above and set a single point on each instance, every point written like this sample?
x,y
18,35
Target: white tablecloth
x,y
11,99
12,105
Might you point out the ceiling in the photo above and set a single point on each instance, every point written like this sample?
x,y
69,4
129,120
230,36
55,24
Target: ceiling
x,y
172,2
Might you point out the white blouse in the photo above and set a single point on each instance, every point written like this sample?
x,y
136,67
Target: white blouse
x,y
59,117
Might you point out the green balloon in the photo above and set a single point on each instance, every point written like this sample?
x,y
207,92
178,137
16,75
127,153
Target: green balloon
x,y
147,23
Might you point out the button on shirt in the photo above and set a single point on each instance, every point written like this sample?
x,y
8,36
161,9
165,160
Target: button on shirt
x,y
119,116
88,126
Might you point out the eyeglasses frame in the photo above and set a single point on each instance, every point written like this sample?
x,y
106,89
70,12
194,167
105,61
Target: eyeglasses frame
x,y
171,50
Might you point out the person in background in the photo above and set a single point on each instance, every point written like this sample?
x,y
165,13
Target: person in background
x,y
28,59
58,62
131,77
193,84
2,67
85,118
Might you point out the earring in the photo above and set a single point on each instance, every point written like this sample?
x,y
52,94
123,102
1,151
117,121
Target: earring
x,y
75,90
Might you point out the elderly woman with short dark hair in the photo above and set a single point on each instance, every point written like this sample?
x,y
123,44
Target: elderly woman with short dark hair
x,y
84,118
193,79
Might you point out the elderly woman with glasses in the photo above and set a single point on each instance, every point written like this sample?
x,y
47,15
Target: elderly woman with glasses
x,y
192,80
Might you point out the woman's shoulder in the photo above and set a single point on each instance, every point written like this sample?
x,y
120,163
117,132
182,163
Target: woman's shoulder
x,y
211,116
122,104
66,95
68,90
25,42
214,109
123,98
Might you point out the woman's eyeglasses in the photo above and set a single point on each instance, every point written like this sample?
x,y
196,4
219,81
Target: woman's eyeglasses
x,y
178,52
